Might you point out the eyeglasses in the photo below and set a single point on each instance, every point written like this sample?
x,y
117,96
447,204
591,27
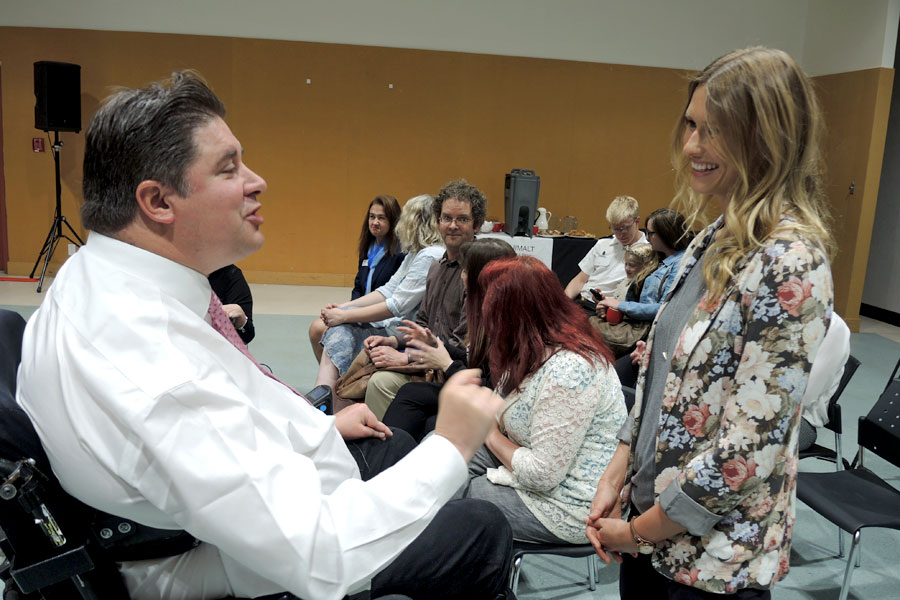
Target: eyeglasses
x,y
623,228
445,220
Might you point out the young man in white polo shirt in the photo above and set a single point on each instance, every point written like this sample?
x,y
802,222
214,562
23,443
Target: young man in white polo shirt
x,y
604,266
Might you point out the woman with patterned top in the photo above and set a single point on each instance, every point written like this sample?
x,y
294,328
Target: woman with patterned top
x,y
708,458
563,403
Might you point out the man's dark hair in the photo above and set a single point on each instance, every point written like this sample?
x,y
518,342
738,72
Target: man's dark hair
x,y
138,135
462,191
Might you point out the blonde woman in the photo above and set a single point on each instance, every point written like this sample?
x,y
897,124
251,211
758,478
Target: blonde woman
x,y
708,459
343,327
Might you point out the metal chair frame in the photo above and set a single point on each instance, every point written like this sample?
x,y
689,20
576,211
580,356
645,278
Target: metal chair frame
x,y
520,549
834,423
843,496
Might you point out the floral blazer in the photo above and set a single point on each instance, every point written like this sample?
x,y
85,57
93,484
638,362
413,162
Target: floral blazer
x,y
730,412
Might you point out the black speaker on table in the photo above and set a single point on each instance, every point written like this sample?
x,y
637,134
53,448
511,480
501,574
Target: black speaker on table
x,y
520,199
57,93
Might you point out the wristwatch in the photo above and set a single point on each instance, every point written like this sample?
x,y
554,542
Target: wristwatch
x,y
644,546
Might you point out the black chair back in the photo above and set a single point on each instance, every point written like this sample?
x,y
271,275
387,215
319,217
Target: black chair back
x,y
834,409
879,431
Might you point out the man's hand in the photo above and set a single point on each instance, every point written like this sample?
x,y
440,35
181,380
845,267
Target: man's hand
x,y
374,341
358,421
385,356
236,314
466,412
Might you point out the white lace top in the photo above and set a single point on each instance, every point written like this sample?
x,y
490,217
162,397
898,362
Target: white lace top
x,y
565,419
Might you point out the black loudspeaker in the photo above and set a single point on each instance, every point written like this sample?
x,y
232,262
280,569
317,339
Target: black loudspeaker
x,y
520,199
57,93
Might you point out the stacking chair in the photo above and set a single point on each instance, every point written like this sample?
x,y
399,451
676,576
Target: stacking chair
x,y
834,422
856,497
520,549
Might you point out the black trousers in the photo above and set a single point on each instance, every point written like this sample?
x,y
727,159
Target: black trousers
x,y
414,409
464,553
638,580
627,372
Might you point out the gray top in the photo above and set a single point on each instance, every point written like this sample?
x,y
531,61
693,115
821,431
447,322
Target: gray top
x,y
671,323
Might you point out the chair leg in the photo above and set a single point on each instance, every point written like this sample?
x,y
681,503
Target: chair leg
x,y
840,543
848,570
514,574
592,572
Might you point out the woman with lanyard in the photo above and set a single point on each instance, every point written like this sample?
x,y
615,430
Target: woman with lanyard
x,y
707,461
379,247
380,256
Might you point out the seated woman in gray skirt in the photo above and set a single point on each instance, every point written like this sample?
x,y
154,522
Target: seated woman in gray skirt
x,y
563,403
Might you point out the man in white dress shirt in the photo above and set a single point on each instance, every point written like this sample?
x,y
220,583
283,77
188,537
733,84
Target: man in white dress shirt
x,y
148,412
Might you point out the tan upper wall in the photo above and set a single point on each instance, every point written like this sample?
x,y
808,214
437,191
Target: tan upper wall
x,y
825,36
326,148
591,131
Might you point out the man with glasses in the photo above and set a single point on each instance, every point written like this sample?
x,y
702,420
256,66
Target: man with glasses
x,y
604,266
460,209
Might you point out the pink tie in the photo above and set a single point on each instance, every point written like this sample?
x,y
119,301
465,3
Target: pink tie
x,y
221,323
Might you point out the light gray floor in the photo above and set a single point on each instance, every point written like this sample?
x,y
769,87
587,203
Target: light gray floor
x,y
283,315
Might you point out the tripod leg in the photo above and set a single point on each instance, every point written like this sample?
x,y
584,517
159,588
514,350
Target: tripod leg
x,y
46,247
53,241
77,237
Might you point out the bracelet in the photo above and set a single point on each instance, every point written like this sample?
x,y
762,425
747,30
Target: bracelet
x,y
644,545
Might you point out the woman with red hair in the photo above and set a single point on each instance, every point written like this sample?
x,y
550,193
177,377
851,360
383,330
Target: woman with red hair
x,y
563,402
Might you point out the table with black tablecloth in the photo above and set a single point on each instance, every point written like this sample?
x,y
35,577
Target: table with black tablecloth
x,y
562,254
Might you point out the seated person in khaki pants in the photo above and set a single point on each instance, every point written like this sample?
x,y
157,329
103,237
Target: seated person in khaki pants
x,y
460,209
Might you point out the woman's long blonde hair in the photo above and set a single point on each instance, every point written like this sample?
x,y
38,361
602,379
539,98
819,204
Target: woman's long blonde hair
x,y
417,227
649,263
764,120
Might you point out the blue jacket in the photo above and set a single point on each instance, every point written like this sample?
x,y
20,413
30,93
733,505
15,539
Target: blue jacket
x,y
384,270
651,294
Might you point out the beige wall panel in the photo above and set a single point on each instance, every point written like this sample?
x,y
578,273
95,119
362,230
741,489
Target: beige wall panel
x,y
856,107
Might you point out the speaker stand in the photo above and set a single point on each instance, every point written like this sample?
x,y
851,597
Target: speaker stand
x,y
56,229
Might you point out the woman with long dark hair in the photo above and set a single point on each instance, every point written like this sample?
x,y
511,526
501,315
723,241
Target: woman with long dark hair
x,y
379,250
707,463
563,403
